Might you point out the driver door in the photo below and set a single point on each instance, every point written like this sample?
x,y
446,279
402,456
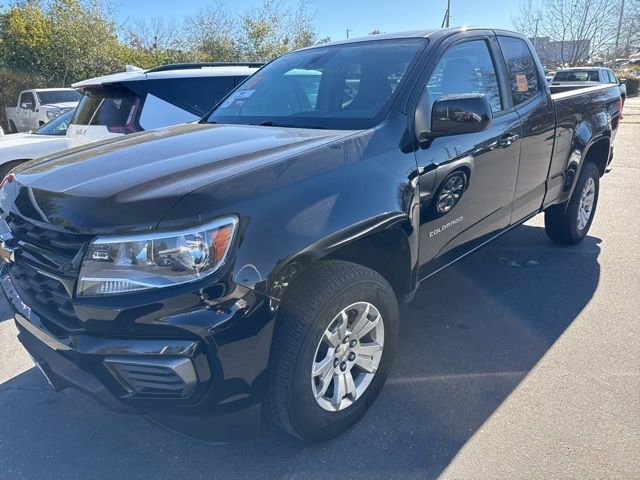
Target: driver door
x,y
467,181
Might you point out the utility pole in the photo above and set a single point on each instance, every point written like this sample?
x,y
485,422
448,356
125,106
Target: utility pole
x,y
348,31
615,49
447,14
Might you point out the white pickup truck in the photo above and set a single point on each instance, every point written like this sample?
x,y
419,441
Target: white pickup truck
x,y
38,106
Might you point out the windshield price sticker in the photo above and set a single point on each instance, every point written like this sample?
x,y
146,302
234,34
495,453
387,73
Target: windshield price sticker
x,y
237,99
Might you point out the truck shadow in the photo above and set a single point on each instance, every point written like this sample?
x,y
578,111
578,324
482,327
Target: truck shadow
x,y
467,340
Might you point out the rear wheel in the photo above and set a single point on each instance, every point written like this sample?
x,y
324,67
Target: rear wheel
x,y
333,345
568,223
12,127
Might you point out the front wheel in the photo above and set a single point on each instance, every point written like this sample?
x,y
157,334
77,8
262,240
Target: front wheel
x,y
335,337
568,223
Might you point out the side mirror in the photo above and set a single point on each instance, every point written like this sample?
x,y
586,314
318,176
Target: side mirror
x,y
453,115
622,81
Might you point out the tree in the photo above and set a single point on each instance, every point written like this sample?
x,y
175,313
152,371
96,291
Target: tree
x,y
83,42
24,34
212,34
153,34
257,34
583,27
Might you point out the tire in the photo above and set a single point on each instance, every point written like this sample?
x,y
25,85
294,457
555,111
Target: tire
x,y
310,307
12,127
5,168
561,221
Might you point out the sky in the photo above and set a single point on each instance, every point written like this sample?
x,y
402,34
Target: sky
x,y
334,17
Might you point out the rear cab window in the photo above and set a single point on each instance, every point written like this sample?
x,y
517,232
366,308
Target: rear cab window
x,y
522,69
577,76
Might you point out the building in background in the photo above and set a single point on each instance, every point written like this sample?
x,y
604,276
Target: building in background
x,y
571,52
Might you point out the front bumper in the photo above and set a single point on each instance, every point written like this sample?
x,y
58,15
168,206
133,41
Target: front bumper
x,y
225,349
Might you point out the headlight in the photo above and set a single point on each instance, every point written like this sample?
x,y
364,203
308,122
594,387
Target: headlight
x,y
51,114
115,265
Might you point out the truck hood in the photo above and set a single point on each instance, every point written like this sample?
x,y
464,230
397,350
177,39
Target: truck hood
x,y
27,146
129,183
19,139
60,106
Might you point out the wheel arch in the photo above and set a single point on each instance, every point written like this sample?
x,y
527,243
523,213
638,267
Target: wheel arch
x,y
385,245
598,152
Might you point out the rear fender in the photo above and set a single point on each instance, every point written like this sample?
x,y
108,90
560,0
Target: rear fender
x,y
587,138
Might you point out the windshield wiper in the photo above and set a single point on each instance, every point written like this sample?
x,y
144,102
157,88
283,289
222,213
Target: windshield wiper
x,y
269,123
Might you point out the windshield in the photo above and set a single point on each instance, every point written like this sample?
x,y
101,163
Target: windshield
x,y
577,76
347,86
58,96
57,126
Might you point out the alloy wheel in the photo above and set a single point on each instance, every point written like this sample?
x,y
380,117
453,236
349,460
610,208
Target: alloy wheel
x,y
348,356
585,207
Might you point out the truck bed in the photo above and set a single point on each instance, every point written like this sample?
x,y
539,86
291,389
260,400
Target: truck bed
x,y
579,109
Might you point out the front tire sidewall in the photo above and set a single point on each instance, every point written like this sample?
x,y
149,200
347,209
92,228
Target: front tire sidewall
x,y
306,415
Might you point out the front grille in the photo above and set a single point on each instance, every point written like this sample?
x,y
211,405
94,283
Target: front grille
x,y
45,272
53,250
47,297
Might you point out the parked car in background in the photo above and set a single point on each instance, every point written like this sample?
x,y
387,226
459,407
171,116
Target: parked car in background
x,y
579,77
128,102
200,272
20,147
139,100
39,106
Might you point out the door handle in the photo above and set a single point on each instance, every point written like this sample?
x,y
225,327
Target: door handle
x,y
507,139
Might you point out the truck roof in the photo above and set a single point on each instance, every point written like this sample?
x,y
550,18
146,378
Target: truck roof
x,y
172,71
568,69
61,89
431,33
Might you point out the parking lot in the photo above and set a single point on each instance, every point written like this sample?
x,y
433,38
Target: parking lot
x,y
521,361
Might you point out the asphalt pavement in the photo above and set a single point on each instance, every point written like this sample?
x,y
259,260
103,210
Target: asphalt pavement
x,y
521,361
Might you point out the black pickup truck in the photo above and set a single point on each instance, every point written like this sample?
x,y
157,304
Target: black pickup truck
x,y
253,263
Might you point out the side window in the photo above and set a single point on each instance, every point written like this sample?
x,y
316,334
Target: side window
x,y
465,68
195,95
157,113
522,69
27,97
612,77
